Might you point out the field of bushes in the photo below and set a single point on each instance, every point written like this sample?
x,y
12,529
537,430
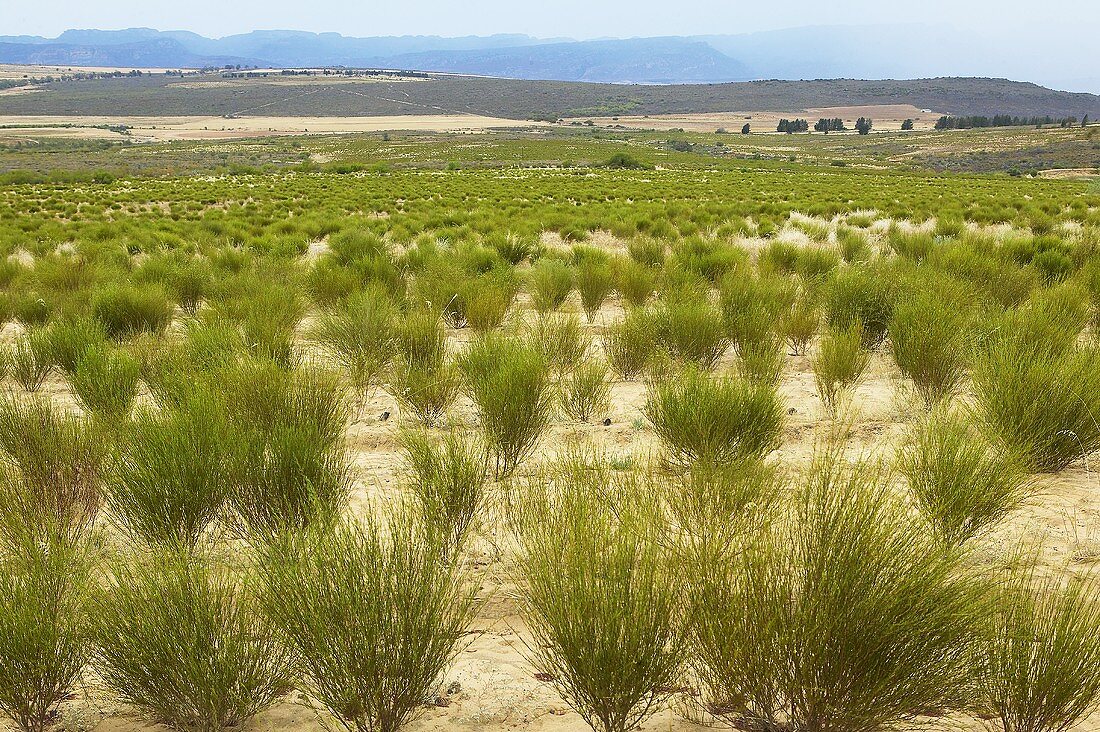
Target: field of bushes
x,y
765,448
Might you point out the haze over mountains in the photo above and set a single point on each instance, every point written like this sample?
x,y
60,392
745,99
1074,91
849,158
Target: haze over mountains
x,y
863,52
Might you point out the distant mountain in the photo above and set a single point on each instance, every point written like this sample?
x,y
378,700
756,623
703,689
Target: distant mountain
x,y
155,53
637,60
823,52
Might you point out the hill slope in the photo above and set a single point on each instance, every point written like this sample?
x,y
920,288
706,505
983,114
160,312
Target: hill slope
x,y
519,99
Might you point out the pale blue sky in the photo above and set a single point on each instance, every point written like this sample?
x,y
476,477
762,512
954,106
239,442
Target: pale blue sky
x,y
573,18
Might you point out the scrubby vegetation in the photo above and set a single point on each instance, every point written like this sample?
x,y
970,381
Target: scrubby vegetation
x,y
302,435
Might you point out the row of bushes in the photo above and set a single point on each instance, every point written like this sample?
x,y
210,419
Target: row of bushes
x,y
816,603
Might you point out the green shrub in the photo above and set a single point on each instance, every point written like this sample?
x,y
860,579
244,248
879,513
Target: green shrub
x,y
915,244
844,615
43,634
801,325
630,344
864,295
360,338
448,479
753,307
508,381
713,421
372,617
190,284
1043,404
291,469
595,281
105,382
600,596
962,484
931,338
647,251
53,470
488,299
711,507
551,281
586,392
840,362
1037,660
30,360
172,475
853,244
635,282
425,390
693,332
183,641
69,339
125,311
762,360
561,340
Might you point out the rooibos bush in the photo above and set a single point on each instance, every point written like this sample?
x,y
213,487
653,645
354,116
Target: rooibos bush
x,y
70,339
43,633
931,341
630,344
862,294
845,615
106,382
182,640
128,310
54,472
1038,659
840,362
595,282
30,360
600,596
448,478
635,282
509,384
291,467
693,332
586,392
360,338
551,281
421,379
372,616
1044,405
713,421
561,340
962,484
171,478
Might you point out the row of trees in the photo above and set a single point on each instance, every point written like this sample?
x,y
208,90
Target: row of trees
x,y
1003,120
790,126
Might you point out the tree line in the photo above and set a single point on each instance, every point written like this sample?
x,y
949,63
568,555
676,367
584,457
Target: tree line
x,y
790,126
947,122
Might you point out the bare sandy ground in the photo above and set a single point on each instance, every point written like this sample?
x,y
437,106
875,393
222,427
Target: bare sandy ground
x,y
885,116
163,129
17,71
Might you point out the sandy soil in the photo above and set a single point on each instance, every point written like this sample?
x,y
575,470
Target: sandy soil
x,y
886,117
491,687
17,71
163,129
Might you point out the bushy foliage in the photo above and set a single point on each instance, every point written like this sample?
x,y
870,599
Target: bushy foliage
x,y
508,381
845,614
600,595
712,421
182,640
371,616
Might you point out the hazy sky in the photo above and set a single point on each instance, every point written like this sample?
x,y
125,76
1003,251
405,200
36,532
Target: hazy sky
x,y
573,18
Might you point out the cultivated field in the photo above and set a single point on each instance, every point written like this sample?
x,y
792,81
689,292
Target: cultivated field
x,y
549,429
